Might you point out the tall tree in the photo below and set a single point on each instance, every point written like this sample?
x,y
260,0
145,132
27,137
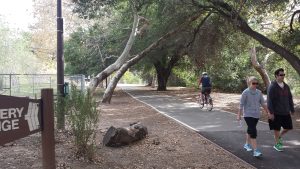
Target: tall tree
x,y
230,11
233,16
112,85
122,58
43,39
15,55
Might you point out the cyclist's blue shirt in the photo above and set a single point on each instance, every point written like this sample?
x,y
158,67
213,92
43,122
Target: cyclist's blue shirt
x,y
205,80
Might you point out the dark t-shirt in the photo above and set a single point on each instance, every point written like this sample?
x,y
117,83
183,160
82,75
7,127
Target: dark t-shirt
x,y
280,100
205,80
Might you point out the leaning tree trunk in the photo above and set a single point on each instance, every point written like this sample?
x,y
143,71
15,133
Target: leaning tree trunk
x,y
122,59
112,85
230,14
260,68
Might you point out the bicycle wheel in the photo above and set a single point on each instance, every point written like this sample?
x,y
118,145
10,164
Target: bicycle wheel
x,y
200,102
210,104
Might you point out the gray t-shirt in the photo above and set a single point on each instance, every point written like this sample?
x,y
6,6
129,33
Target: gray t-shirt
x,y
250,102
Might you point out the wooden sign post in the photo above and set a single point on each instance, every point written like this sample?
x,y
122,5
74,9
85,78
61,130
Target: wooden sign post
x,y
21,116
48,142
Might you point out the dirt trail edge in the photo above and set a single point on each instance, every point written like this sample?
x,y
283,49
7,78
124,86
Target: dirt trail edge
x,y
169,144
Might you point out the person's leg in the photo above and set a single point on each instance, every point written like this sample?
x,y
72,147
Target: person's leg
x,y
284,131
276,126
205,95
287,124
278,142
254,133
277,130
251,133
248,141
247,145
202,94
276,135
254,143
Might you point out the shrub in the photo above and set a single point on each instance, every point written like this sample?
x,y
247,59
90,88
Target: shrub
x,y
83,118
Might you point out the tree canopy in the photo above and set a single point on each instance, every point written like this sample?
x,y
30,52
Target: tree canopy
x,y
217,40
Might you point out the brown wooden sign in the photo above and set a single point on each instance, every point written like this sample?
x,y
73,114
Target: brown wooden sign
x,y
19,117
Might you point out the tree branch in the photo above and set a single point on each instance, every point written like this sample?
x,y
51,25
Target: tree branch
x,y
292,20
113,83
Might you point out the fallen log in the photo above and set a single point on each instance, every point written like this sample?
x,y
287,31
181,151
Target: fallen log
x,y
116,137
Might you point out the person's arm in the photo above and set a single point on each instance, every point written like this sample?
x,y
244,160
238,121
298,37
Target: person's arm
x,y
291,101
270,98
199,82
270,116
264,105
242,104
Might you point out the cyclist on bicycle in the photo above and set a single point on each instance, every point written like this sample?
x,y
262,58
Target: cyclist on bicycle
x,y
206,84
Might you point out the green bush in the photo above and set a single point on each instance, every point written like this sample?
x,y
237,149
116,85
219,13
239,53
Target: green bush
x,y
83,118
130,78
60,109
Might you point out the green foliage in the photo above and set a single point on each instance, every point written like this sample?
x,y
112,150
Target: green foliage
x,y
83,118
145,70
216,47
130,78
186,74
89,9
231,64
60,109
290,40
86,51
15,52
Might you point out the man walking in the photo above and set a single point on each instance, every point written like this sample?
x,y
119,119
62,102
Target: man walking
x,y
281,106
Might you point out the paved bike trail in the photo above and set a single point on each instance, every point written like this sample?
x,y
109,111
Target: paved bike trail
x,y
221,128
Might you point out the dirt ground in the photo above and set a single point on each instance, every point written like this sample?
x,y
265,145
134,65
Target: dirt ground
x,y
168,145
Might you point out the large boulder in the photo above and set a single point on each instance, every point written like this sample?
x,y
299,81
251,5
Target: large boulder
x,y
116,137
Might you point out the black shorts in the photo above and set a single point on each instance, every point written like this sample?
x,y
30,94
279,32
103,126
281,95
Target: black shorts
x,y
284,121
251,123
206,90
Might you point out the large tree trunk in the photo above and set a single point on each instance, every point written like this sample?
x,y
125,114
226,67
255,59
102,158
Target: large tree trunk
x,y
230,14
163,74
122,59
260,68
112,85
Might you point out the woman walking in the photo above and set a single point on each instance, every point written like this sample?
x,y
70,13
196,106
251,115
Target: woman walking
x,y
250,104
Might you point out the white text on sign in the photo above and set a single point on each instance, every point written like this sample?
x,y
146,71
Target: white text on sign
x,y
9,118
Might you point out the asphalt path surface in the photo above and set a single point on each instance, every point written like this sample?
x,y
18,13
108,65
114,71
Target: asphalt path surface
x,y
221,128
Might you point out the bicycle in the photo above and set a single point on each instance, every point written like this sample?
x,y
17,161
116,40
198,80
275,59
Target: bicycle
x,y
207,101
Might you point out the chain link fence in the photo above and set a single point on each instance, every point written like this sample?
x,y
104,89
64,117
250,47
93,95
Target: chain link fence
x,y
30,85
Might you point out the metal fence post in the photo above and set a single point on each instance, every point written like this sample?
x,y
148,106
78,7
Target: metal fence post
x,y
10,84
33,85
82,82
